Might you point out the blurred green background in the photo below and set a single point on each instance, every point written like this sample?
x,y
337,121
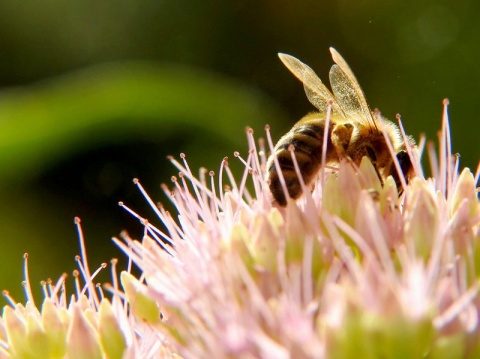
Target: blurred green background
x,y
94,93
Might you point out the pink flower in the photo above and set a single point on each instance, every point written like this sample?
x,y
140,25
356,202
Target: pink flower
x,y
84,325
350,270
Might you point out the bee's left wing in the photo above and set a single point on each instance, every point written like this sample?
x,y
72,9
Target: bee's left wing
x,y
348,92
317,92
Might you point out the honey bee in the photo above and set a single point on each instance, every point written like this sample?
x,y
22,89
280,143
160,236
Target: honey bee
x,y
354,131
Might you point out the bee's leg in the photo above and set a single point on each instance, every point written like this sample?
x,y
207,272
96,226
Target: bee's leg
x,y
341,136
373,158
405,165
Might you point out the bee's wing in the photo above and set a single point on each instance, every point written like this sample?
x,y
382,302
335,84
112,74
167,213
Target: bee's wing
x,y
316,91
348,91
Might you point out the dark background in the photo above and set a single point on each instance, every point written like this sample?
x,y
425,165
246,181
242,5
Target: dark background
x,y
94,93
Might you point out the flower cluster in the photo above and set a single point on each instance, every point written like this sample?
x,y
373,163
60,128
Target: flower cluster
x,y
349,270
85,325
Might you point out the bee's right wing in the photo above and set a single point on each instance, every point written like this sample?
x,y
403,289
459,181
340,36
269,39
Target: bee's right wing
x,y
316,91
348,92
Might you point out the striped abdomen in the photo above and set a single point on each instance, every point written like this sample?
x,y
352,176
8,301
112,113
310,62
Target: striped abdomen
x,y
307,138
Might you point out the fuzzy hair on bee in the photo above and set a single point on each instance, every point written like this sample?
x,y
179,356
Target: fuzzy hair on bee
x,y
353,132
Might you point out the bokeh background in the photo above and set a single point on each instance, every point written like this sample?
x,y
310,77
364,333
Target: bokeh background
x,y
95,93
